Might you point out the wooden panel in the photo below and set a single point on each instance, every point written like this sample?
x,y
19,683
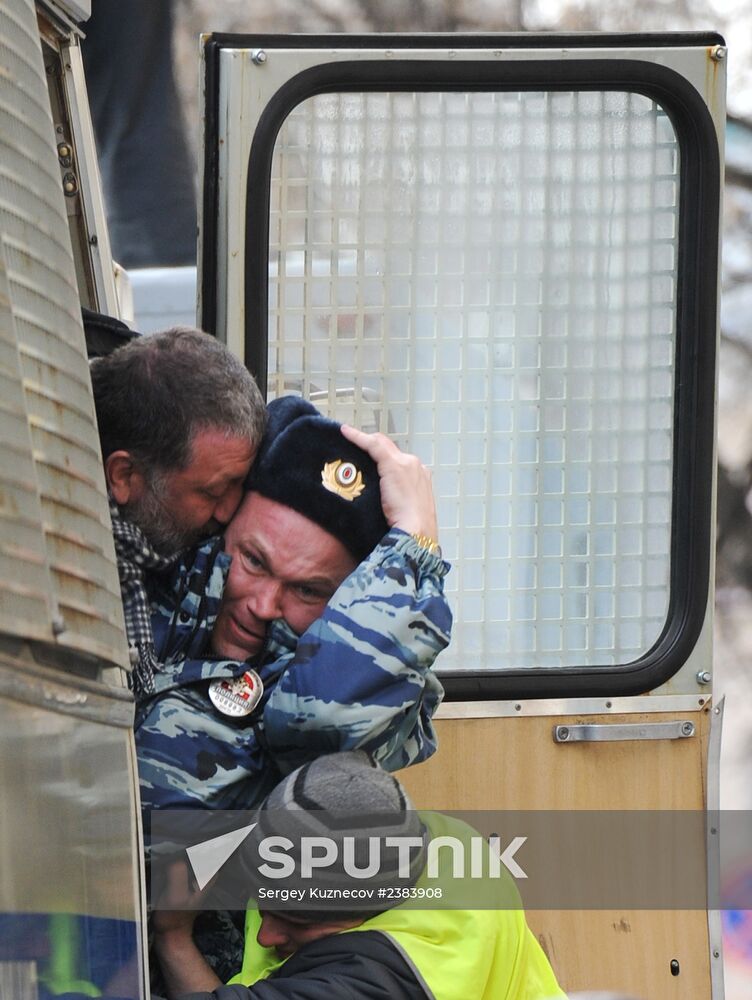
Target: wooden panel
x,y
513,763
629,952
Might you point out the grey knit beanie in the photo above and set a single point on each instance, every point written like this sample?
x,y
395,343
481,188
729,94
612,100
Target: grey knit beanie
x,y
350,802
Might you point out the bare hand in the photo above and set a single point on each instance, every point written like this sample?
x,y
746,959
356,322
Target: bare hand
x,y
177,907
406,492
184,968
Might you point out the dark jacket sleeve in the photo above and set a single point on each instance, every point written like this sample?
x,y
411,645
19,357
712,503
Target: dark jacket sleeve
x,y
364,965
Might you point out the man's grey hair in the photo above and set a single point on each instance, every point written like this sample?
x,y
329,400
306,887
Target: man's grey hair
x,y
155,394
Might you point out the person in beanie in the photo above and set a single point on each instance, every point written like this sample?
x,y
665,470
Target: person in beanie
x,y
312,627
377,950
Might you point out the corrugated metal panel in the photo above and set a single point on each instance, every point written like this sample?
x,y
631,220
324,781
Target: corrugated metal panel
x,y
24,579
69,507
69,819
78,10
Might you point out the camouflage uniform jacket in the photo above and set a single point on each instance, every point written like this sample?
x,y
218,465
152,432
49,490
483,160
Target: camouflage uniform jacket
x,y
359,677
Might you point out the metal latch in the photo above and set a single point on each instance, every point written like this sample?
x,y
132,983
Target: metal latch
x,y
608,733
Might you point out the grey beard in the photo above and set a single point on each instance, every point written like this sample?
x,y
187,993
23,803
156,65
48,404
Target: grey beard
x,y
156,521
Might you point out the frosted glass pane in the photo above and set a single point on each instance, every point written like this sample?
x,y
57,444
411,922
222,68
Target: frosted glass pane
x,y
490,278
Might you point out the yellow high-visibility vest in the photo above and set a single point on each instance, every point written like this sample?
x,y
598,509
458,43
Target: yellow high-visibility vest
x,y
459,954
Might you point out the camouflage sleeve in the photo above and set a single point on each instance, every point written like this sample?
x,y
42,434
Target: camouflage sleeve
x,y
361,676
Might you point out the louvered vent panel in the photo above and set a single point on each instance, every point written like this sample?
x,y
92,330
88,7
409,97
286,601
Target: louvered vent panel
x,y
57,492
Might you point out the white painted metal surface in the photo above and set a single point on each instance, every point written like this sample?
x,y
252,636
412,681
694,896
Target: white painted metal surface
x,y
92,202
490,278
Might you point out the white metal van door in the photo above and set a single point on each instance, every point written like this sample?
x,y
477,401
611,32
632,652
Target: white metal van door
x,y
503,252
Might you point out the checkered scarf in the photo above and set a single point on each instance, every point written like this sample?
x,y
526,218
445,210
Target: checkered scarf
x,y
135,557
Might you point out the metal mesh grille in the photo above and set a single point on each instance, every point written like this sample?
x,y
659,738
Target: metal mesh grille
x,y
42,315
491,279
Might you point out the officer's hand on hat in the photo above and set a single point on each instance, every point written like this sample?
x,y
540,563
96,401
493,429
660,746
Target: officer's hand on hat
x,y
405,483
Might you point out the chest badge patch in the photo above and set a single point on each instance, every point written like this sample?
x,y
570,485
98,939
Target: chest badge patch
x,y
236,696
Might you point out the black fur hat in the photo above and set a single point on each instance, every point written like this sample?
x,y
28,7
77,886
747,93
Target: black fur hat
x,y
305,463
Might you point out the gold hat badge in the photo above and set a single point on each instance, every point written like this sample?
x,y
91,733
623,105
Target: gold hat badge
x,y
343,479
